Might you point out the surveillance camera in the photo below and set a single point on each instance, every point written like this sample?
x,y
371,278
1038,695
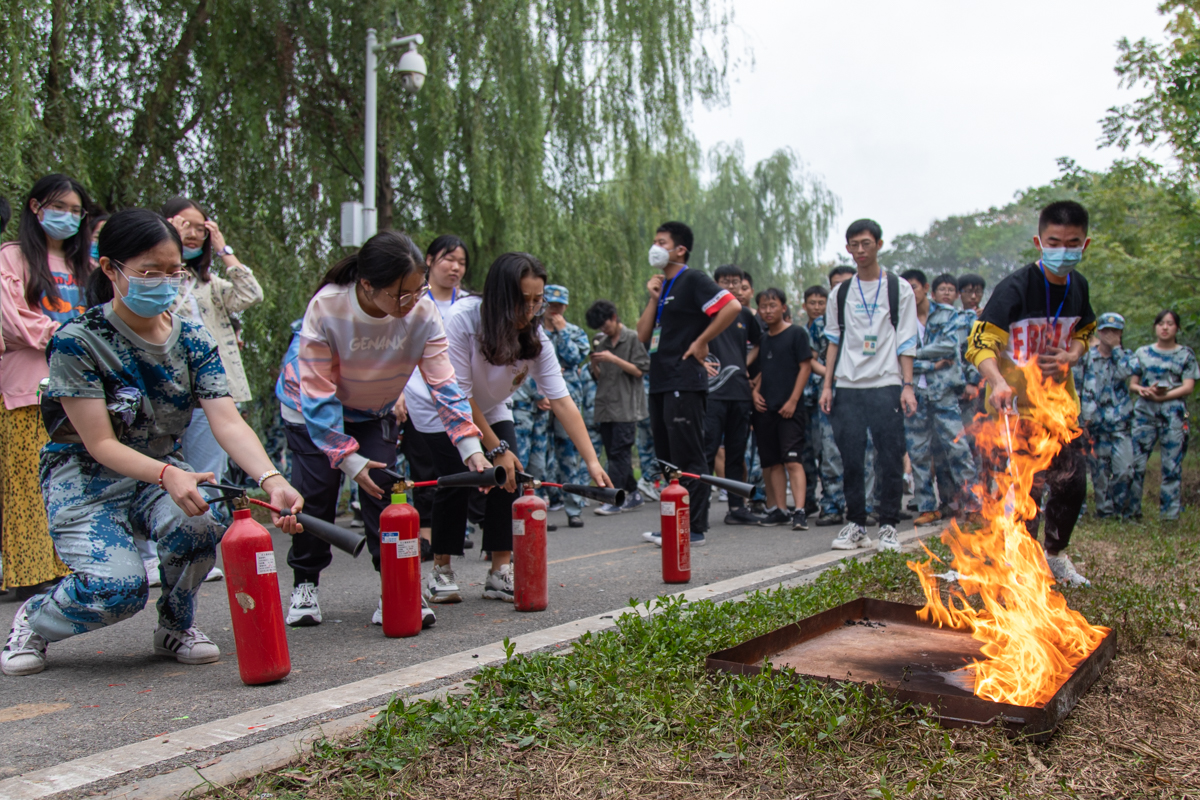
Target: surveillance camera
x,y
412,81
412,70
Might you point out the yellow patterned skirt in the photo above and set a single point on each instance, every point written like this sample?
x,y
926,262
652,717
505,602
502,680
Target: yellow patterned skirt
x,y
25,544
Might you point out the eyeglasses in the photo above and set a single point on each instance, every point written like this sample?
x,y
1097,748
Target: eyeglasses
x,y
198,227
535,302
407,298
861,244
154,277
58,205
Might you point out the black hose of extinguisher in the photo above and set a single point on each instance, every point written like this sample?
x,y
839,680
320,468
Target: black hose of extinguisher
x,y
614,496
737,487
345,540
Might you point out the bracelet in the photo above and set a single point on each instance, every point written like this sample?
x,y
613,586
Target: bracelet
x,y
497,450
267,476
162,472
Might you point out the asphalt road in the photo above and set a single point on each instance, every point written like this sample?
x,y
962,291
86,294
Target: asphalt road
x,y
106,689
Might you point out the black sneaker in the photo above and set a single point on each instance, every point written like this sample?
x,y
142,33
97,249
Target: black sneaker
x,y
826,520
427,550
775,517
799,520
575,522
741,516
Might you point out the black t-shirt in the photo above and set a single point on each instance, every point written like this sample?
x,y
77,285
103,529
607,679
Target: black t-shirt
x,y
781,356
728,352
686,312
1018,306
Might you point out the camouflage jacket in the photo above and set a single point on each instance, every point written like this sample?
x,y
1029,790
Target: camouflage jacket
x,y
965,320
942,342
820,344
572,347
1104,399
526,396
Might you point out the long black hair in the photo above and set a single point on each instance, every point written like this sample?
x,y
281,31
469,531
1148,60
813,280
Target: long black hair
x,y
201,265
1166,312
448,243
384,258
77,250
127,234
503,308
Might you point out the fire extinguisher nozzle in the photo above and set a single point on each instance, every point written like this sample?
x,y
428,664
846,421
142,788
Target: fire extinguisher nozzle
x,y
614,497
345,540
493,476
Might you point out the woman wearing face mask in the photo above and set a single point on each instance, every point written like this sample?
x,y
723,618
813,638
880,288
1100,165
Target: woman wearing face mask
x,y
126,375
369,326
42,275
496,342
1165,373
209,299
98,221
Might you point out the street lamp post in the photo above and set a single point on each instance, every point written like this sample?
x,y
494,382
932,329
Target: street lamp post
x,y
361,220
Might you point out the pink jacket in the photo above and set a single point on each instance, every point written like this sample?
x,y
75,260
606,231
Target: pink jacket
x,y
27,331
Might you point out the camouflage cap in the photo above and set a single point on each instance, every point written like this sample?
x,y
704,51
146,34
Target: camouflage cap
x,y
1110,319
558,294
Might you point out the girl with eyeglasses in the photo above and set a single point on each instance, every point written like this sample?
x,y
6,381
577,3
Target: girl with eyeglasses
x,y
370,324
124,377
496,342
42,275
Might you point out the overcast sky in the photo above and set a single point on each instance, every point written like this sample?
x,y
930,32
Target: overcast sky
x,y
913,111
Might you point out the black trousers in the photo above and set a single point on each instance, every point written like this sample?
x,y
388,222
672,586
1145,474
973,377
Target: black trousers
x,y
856,411
728,422
320,485
450,506
677,422
421,467
618,439
1066,481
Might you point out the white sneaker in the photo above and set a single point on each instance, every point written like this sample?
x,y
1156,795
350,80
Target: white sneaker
x,y
25,651
427,617
186,647
442,586
152,574
653,537
723,496
305,609
214,574
887,539
1064,571
647,489
499,584
851,537
377,617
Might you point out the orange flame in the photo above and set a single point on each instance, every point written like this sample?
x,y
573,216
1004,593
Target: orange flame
x,y
1031,641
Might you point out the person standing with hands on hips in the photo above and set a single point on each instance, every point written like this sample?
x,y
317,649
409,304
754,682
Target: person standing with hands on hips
x,y
1043,313
871,324
685,312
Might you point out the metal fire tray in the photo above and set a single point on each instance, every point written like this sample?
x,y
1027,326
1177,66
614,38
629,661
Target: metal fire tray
x,y
884,645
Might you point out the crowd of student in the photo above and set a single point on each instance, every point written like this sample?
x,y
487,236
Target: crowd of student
x,y
121,376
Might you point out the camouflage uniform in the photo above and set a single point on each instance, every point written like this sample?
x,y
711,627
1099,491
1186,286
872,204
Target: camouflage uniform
x,y
820,432
533,427
935,430
1106,414
572,347
1166,423
645,439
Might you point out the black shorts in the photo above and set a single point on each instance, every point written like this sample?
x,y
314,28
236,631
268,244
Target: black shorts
x,y
780,441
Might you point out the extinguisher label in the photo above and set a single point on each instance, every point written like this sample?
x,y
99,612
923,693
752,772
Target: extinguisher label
x,y
408,548
265,562
668,509
389,537
683,550
518,527
538,514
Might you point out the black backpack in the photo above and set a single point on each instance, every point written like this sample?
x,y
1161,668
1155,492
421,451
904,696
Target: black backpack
x,y
893,293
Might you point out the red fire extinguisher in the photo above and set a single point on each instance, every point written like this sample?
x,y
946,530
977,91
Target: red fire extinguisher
x,y
676,510
249,559
400,568
530,592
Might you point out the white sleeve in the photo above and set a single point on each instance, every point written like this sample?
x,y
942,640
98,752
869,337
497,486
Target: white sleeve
x,y
906,329
461,347
547,372
833,325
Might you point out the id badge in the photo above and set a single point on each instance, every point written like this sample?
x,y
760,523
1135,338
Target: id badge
x,y
654,337
870,345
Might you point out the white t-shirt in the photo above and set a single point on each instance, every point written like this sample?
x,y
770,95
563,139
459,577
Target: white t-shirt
x,y
491,386
870,348
422,410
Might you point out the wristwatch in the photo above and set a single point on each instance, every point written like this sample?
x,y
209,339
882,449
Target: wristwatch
x,y
226,251
497,450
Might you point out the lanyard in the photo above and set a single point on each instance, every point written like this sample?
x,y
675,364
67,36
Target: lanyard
x,y
870,309
1057,314
662,298
453,295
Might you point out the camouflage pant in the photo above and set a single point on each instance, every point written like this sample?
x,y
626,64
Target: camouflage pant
x,y
569,468
645,448
754,473
1111,464
1167,425
96,517
532,438
934,433
833,500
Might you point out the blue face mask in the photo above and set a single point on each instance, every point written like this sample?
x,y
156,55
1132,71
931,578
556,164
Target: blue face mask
x,y
149,297
95,251
1061,260
59,224
192,252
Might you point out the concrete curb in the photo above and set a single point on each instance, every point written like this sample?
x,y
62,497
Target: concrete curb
x,y
205,757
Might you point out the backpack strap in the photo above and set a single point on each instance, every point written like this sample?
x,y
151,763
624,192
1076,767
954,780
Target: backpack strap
x,y
894,300
842,291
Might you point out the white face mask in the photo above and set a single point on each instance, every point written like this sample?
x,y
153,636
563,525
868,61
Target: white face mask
x,y
659,257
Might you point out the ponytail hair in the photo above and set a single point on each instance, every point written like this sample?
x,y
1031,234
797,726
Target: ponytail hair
x,y
503,309
383,259
127,234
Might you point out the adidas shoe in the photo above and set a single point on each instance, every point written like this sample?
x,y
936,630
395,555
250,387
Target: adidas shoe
x,y
305,608
25,651
186,647
442,586
851,537
499,584
888,539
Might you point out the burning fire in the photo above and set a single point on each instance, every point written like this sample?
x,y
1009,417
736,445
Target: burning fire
x,y
1031,641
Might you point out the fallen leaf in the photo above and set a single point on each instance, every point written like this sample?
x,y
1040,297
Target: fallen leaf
x,y
360,658
31,710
